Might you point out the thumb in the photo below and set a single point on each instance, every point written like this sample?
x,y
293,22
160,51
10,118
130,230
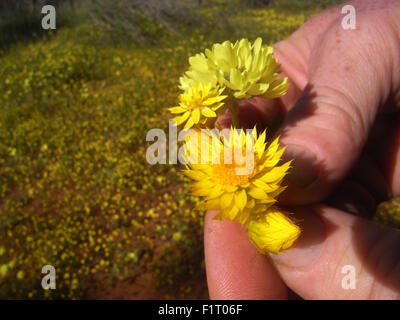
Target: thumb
x,y
350,74
341,256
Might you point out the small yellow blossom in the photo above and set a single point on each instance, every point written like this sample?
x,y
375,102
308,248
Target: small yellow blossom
x,y
12,151
132,256
3,270
20,275
272,231
177,236
198,104
44,148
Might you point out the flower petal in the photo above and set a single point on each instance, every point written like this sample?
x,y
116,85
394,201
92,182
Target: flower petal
x,y
226,200
177,109
207,112
241,199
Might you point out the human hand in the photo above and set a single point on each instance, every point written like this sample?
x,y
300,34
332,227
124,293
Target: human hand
x,y
342,128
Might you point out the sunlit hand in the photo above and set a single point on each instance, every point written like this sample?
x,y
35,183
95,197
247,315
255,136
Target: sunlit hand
x,y
342,128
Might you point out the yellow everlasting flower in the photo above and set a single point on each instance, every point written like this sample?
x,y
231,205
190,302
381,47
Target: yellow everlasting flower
x,y
235,185
198,104
272,231
246,69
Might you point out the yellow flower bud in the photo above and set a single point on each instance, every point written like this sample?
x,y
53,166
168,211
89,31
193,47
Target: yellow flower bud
x,y
272,231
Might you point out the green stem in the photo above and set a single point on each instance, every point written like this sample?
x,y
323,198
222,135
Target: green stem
x,y
233,106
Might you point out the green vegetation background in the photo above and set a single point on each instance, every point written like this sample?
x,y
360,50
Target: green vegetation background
x,y
76,191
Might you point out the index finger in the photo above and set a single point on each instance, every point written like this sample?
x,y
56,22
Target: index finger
x,y
235,269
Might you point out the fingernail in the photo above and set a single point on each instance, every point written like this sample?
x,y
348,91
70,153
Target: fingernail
x,y
304,169
309,245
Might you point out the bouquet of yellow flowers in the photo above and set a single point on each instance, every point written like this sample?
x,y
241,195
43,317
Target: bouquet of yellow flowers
x,y
239,173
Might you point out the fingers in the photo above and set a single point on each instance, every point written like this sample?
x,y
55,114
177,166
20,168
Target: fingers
x,y
256,111
353,198
294,53
334,242
362,190
293,57
384,147
367,173
350,75
393,165
235,270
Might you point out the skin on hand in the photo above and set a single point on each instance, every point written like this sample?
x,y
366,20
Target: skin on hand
x,y
341,125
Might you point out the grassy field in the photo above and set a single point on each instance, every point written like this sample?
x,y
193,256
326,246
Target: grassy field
x,y
76,191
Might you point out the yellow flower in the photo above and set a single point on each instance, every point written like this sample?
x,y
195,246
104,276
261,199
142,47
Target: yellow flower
x,y
198,104
246,69
20,275
132,256
12,151
3,270
272,231
44,148
177,236
240,176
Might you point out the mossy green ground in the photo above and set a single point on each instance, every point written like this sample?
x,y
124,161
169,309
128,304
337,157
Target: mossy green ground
x,y
76,191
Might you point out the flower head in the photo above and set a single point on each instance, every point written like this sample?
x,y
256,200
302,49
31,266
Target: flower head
x,y
198,104
235,184
272,231
246,69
